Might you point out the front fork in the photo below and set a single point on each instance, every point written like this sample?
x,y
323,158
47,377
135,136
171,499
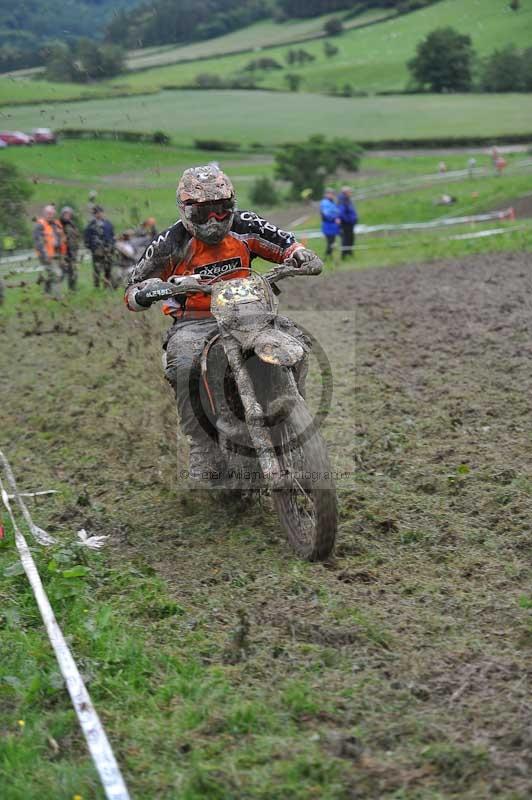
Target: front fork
x,y
254,415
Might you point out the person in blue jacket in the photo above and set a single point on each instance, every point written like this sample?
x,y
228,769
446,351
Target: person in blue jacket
x,y
348,220
330,219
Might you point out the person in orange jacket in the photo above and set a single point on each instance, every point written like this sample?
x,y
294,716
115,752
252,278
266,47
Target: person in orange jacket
x,y
51,248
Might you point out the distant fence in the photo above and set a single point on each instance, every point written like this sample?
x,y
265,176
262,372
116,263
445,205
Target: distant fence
x,y
441,222
26,262
159,137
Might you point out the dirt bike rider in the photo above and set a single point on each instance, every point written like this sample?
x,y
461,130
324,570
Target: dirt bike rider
x,y
211,239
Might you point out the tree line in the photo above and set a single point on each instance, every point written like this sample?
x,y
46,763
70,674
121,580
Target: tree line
x,y
445,61
29,28
83,61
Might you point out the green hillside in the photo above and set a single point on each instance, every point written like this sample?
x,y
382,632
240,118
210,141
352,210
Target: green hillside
x,y
266,33
34,22
372,59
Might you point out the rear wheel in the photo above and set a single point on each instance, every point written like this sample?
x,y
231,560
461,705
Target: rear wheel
x,y
307,508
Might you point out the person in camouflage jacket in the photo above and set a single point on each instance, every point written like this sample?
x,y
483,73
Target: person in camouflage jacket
x,y
69,265
100,240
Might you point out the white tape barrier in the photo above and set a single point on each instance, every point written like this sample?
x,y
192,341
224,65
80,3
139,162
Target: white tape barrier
x,y
97,741
481,234
386,243
41,536
440,222
33,494
18,270
22,255
7,263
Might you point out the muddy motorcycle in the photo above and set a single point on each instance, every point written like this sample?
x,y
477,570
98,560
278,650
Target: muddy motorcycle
x,y
254,408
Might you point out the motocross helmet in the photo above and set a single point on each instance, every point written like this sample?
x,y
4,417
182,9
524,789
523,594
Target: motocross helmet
x,y
206,202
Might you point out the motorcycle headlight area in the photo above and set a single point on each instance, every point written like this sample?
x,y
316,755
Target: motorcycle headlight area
x,y
241,304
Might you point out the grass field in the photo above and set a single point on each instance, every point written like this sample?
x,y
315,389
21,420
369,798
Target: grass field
x,y
86,159
372,59
256,36
273,118
30,90
134,181
137,180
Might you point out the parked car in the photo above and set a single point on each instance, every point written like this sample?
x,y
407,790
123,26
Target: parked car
x,y
16,137
43,136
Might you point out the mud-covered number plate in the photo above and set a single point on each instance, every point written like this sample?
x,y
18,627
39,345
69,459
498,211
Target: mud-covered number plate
x,y
243,293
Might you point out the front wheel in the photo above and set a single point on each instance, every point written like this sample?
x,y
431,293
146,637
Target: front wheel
x,y
307,508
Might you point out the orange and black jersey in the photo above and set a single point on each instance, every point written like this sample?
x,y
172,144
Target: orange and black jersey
x,y
177,252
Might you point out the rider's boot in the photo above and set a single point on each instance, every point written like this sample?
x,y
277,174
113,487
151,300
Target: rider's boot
x,y
205,460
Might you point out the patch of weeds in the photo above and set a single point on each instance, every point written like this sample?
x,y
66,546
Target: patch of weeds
x,y
412,537
457,480
411,589
504,498
456,764
309,776
300,699
247,718
371,629
206,782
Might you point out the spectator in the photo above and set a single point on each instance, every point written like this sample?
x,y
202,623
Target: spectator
x,y
100,239
50,245
471,164
71,230
93,194
500,164
348,219
442,167
148,228
330,219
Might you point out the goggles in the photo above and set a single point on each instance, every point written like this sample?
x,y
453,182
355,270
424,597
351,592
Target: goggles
x,y
200,213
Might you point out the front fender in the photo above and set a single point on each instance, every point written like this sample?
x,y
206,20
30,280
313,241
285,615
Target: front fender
x,y
277,347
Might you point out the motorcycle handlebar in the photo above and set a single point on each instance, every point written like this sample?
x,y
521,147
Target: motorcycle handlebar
x,y
189,284
183,285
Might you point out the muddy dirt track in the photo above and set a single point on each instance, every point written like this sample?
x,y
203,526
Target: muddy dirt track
x,y
415,641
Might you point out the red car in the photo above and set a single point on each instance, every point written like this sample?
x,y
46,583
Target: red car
x,y
43,136
16,137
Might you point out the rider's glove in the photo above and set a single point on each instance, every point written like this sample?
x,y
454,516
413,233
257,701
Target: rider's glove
x,y
305,260
152,291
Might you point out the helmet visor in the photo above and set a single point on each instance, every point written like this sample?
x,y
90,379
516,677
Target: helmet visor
x,y
200,213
